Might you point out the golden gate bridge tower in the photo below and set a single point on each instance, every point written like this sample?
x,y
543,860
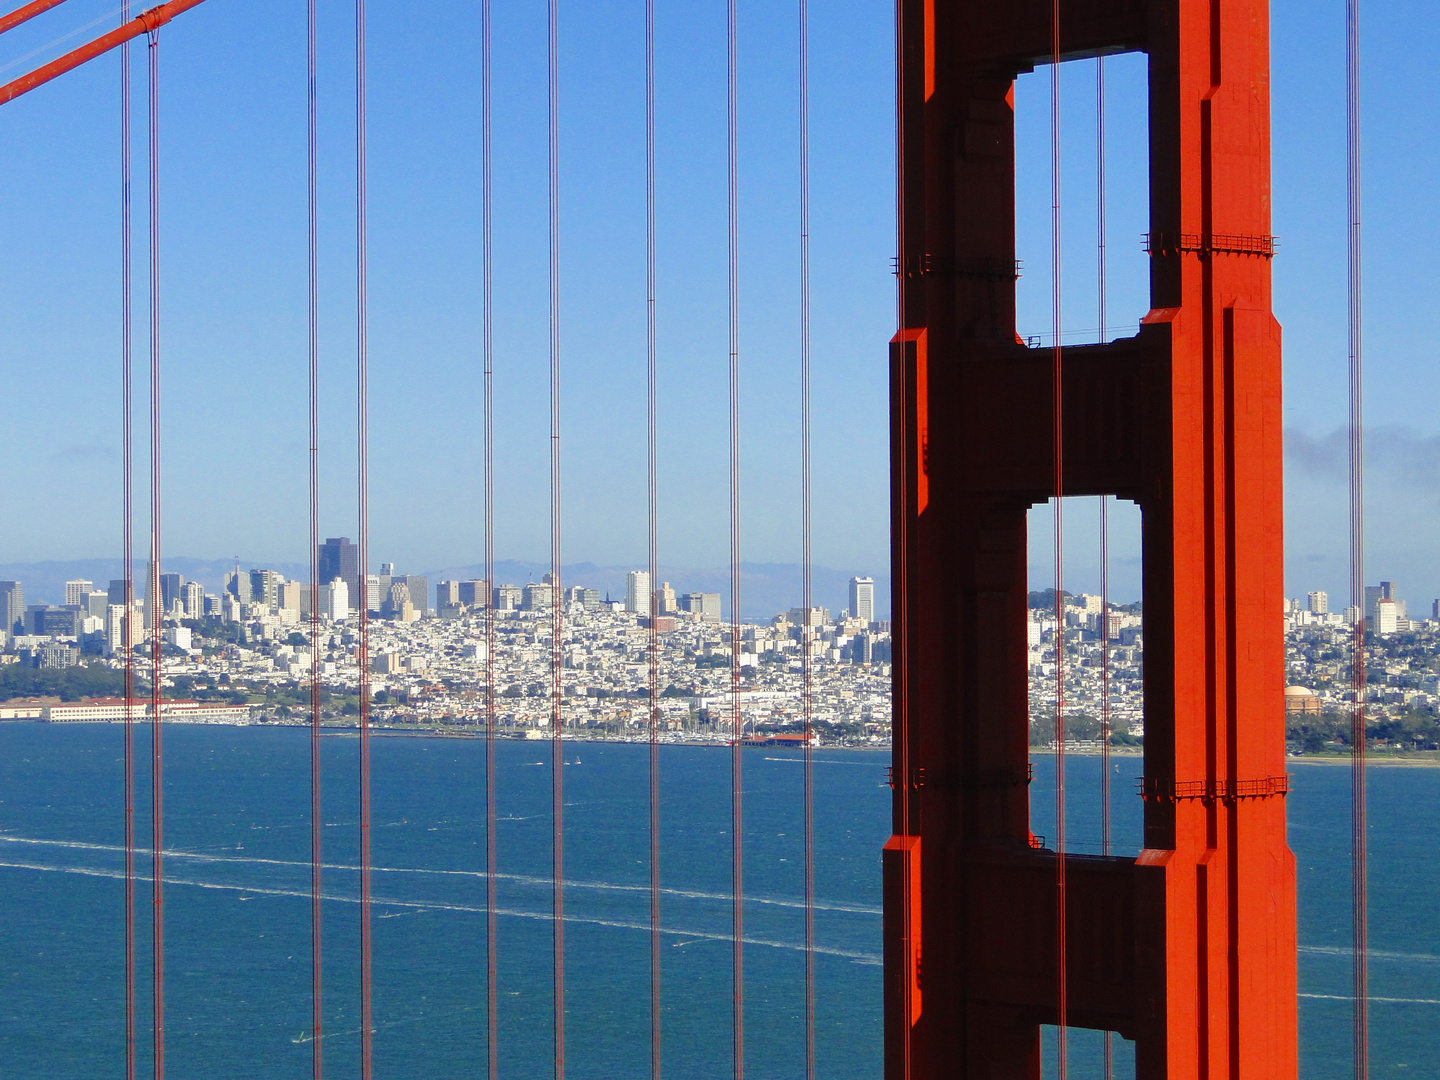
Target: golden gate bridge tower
x,y
1189,949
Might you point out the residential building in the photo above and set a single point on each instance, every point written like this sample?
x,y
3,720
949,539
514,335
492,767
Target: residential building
x,y
637,592
335,600
537,596
1387,616
862,598
706,605
508,597
1319,603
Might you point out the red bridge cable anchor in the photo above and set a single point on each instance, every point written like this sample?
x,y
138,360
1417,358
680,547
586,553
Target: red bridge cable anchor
x,y
147,22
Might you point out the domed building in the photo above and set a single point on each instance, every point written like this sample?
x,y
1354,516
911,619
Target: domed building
x,y
1301,699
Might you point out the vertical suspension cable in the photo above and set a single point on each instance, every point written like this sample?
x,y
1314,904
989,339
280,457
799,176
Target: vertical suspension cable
x,y
492,1010
362,430
737,913
1062,989
652,460
1359,840
807,676
127,346
313,328
1102,269
557,623
157,816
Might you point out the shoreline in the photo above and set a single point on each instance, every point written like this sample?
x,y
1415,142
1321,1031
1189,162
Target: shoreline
x,y
1412,760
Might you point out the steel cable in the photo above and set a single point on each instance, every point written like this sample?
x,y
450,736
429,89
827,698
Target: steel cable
x,y
1061,944
313,391
157,814
807,690
362,546
492,1015
557,620
1359,840
651,459
127,635
1102,269
737,718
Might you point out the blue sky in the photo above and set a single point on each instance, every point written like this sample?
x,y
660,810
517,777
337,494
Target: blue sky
x,y
232,192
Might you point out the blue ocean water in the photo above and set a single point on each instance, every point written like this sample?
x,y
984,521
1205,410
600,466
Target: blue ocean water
x,y
237,907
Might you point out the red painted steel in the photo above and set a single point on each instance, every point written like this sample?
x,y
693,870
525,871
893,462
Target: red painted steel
x,y
147,22
127,542
362,539
157,776
1189,949
312,131
26,13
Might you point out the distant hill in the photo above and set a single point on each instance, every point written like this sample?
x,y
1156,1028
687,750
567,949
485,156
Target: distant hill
x,y
44,582
765,588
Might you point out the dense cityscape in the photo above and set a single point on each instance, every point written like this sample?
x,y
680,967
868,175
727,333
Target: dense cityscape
x,y
245,656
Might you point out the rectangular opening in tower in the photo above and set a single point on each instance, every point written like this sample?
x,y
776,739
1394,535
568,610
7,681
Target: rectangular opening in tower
x,y
1120,223
1101,678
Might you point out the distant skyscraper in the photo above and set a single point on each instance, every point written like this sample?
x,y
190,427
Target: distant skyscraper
x,y
374,593
170,585
667,599
538,596
446,592
473,594
340,559
117,592
387,569
95,603
12,604
265,588
1319,603
419,591
289,596
637,592
508,597
335,600
76,591
862,598
1384,591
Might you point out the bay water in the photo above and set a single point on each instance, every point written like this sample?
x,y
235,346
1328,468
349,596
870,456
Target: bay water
x,y
237,908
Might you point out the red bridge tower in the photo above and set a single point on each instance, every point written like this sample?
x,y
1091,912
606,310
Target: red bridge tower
x,y
1190,949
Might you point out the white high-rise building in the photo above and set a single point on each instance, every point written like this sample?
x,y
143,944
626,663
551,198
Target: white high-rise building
x,y
1319,603
335,601
862,598
192,599
1387,613
76,591
637,592
95,603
